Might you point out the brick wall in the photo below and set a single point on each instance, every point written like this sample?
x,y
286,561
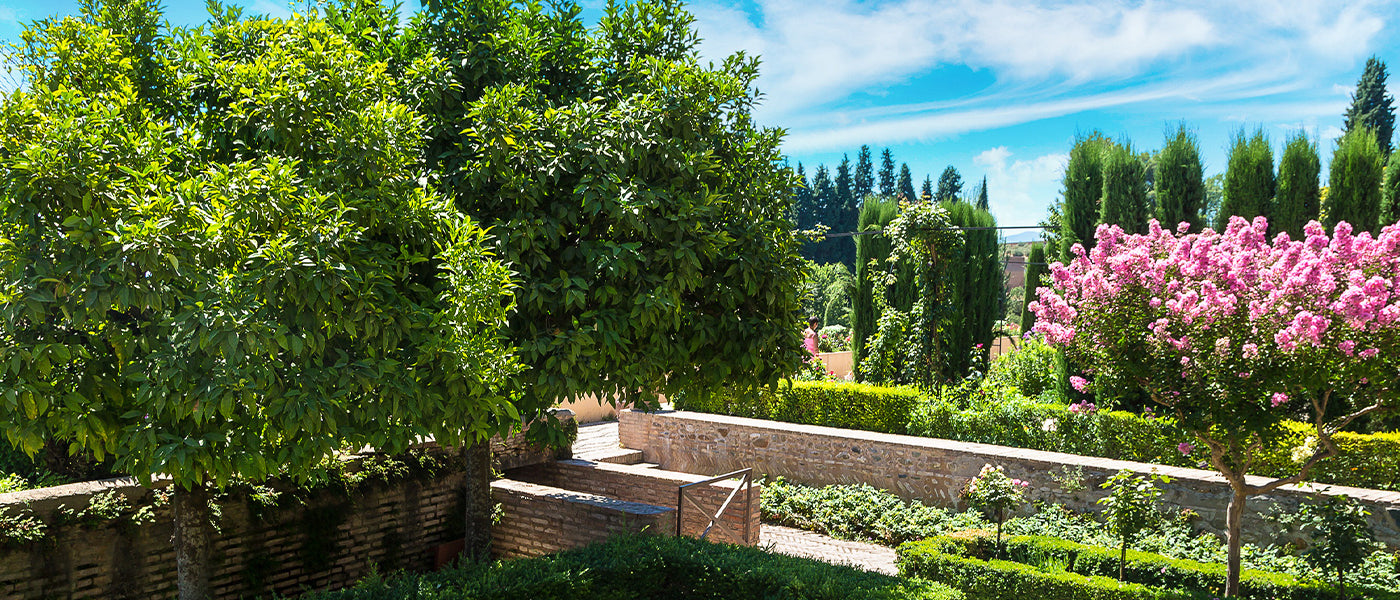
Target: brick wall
x,y
659,487
538,519
935,470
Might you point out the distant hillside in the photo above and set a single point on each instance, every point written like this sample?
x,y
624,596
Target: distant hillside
x,y
1024,237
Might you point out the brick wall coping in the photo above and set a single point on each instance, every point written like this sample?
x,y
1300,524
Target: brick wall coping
x,y
594,500
676,478
1049,459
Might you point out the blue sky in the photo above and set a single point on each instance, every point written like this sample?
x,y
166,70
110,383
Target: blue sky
x,y
1001,87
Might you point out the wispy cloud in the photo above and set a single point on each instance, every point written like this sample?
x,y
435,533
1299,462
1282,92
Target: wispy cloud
x,y
1020,189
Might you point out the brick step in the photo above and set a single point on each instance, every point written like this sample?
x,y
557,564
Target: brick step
x,y
616,456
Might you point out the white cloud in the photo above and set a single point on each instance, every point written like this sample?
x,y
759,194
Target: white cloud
x,y
1018,190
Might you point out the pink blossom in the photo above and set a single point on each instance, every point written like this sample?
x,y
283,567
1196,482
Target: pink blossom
x,y
1185,448
1081,384
1347,347
1369,353
1279,398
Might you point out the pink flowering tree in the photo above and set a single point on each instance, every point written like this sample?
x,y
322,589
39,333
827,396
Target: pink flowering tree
x,y
1235,334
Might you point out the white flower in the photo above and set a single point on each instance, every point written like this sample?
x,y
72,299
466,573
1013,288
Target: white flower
x,y
1050,425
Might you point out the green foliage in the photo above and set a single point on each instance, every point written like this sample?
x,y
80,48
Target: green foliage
x,y
1390,193
1029,368
904,189
871,284
1005,580
887,188
995,494
1179,181
1342,538
864,183
1354,182
974,290
1299,198
1249,179
1083,191
624,179
859,512
827,290
983,202
1035,269
834,338
950,186
1372,106
1124,199
1130,508
846,405
20,528
645,568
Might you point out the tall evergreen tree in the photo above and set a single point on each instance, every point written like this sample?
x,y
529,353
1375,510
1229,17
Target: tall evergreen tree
x,y
1298,200
1179,181
1390,193
844,191
926,193
804,202
865,175
1372,106
872,254
1035,267
983,203
1354,182
906,183
823,197
887,173
974,291
1249,179
1124,200
1083,189
949,185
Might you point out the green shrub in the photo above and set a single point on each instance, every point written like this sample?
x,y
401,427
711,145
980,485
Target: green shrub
x,y
1030,368
858,512
649,567
1005,580
846,405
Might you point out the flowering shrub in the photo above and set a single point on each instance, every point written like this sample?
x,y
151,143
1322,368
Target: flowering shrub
x,y
995,494
834,338
1234,334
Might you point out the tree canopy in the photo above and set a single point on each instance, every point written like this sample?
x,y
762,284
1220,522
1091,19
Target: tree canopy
x,y
1372,106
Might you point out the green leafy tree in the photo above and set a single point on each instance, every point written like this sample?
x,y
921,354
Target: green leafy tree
x,y
826,283
1180,184
1215,196
1035,268
864,176
1083,191
973,290
218,261
926,192
1372,106
872,286
1354,182
1390,193
950,186
1299,199
906,184
887,187
996,494
1124,199
1342,537
1130,508
983,202
1249,179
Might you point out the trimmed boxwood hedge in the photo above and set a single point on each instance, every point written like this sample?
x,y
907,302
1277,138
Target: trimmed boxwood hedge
x,y
643,567
1006,580
845,405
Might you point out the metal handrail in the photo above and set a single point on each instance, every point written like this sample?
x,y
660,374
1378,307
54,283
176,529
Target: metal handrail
x,y
745,483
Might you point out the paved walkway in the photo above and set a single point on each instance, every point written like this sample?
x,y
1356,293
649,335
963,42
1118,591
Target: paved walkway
x,y
596,439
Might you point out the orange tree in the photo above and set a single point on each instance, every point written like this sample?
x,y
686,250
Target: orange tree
x,y
217,260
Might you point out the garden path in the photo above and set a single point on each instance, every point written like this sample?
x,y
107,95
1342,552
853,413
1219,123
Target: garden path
x,y
601,439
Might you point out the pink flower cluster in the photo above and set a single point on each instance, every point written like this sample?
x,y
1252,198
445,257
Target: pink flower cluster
x,y
1083,408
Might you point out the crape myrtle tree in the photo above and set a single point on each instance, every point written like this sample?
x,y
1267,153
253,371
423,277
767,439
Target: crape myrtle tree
x,y
217,262
627,185
1236,335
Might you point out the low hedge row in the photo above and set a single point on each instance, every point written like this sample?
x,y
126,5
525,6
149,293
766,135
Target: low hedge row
x,y
1006,580
831,404
645,568
1197,579
859,512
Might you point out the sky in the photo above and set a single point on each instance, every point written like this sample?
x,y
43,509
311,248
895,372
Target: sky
x,y
1000,88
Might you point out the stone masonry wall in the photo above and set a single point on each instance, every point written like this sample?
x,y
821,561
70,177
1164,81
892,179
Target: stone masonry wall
x,y
935,470
538,519
658,487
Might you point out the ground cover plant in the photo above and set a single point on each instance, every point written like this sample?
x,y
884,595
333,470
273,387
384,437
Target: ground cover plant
x,y
648,568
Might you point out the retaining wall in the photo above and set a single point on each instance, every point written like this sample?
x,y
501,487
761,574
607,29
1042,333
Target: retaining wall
x,y
538,519
935,470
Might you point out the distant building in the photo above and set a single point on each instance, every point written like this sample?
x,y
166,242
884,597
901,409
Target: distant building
x,y
1015,272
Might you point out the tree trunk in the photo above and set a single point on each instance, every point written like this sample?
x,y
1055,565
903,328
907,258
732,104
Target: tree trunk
x,y
479,504
192,542
1122,559
1234,526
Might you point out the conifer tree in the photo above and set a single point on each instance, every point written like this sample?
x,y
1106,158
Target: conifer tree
x,y
803,201
1083,189
983,203
974,289
1249,179
949,185
1124,200
1179,181
865,175
1390,193
887,173
1035,267
844,191
906,183
1298,200
926,193
1372,106
1354,182
872,252
823,196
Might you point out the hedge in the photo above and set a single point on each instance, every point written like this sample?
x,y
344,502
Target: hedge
x,y
648,567
1154,570
839,404
1005,580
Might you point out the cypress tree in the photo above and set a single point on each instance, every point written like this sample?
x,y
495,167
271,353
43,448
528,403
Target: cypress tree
x,y
1083,189
1390,193
1249,179
1298,199
1179,181
823,195
841,216
865,175
1372,107
1035,267
872,253
949,186
1124,200
974,288
983,203
886,173
1354,182
926,194
906,183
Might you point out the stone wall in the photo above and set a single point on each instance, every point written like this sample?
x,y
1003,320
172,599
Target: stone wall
x,y
658,487
538,519
935,470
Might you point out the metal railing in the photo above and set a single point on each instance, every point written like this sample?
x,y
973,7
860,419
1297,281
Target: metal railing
x,y
745,477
